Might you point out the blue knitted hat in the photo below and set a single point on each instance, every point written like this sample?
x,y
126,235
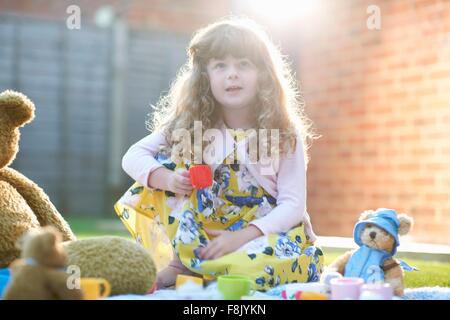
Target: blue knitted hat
x,y
385,219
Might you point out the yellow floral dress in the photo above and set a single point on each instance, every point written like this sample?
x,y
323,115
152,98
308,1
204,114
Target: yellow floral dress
x,y
164,223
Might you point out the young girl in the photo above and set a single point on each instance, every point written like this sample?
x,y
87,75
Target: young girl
x,y
250,221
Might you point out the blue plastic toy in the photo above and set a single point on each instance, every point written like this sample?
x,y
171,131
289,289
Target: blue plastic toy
x,y
5,275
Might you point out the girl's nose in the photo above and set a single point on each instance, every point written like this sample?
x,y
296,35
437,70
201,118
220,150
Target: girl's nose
x,y
232,73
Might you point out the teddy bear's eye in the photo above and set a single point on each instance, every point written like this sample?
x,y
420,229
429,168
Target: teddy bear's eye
x,y
369,225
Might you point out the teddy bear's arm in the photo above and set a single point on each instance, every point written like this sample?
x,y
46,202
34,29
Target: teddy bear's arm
x,y
38,201
58,283
393,274
340,263
16,219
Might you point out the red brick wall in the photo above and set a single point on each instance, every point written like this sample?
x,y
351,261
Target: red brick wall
x,y
381,100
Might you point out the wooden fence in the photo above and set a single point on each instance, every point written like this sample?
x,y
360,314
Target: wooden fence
x,y
83,126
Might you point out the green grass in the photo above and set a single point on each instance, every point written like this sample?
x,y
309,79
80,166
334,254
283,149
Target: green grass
x,y
94,227
432,273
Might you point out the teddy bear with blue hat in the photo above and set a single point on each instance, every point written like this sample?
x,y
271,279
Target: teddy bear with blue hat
x,y
377,235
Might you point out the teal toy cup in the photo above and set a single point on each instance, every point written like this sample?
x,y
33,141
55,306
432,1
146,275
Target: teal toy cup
x,y
234,287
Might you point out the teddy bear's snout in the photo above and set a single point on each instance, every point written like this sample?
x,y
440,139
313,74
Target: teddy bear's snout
x,y
372,235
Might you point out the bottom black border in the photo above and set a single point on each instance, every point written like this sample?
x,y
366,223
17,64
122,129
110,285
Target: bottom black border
x,y
199,309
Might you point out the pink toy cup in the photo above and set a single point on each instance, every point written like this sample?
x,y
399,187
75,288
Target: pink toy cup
x,y
377,291
346,288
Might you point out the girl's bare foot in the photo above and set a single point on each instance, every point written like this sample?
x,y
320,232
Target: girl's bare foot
x,y
167,277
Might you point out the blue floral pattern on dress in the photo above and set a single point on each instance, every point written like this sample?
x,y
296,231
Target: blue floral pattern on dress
x,y
313,275
188,228
286,249
238,225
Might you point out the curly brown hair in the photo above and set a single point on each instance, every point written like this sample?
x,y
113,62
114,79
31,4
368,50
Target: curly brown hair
x,y
279,102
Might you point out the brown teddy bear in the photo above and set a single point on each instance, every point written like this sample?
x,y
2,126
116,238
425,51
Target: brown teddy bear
x,y
24,207
40,274
376,233
23,204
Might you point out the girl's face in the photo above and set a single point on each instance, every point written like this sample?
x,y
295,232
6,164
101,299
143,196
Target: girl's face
x,y
233,82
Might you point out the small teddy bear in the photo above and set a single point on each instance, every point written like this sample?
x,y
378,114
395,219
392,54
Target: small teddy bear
x,y
376,233
40,274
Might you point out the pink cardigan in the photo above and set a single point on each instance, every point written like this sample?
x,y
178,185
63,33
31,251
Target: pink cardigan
x,y
286,181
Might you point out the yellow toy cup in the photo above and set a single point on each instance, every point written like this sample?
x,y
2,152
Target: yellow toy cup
x,y
182,279
95,288
234,287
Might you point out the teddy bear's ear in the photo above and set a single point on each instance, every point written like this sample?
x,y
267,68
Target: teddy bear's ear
x,y
406,223
18,108
49,240
366,215
25,238
52,236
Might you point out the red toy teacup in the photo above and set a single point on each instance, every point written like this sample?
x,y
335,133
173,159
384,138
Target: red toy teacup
x,y
201,176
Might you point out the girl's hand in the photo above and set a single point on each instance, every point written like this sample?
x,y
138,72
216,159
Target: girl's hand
x,y
225,242
228,241
180,183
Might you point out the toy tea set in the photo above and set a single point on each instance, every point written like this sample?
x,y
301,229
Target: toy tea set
x,y
227,287
337,287
237,287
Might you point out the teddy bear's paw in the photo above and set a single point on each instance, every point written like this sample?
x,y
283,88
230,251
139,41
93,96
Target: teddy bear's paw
x,y
328,275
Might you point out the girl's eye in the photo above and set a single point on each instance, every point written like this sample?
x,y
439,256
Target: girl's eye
x,y
219,65
245,63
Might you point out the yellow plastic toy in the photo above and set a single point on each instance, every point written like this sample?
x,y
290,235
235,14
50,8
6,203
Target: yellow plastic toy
x,y
182,279
302,295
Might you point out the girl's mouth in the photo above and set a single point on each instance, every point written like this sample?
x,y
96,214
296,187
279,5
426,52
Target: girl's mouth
x,y
233,89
